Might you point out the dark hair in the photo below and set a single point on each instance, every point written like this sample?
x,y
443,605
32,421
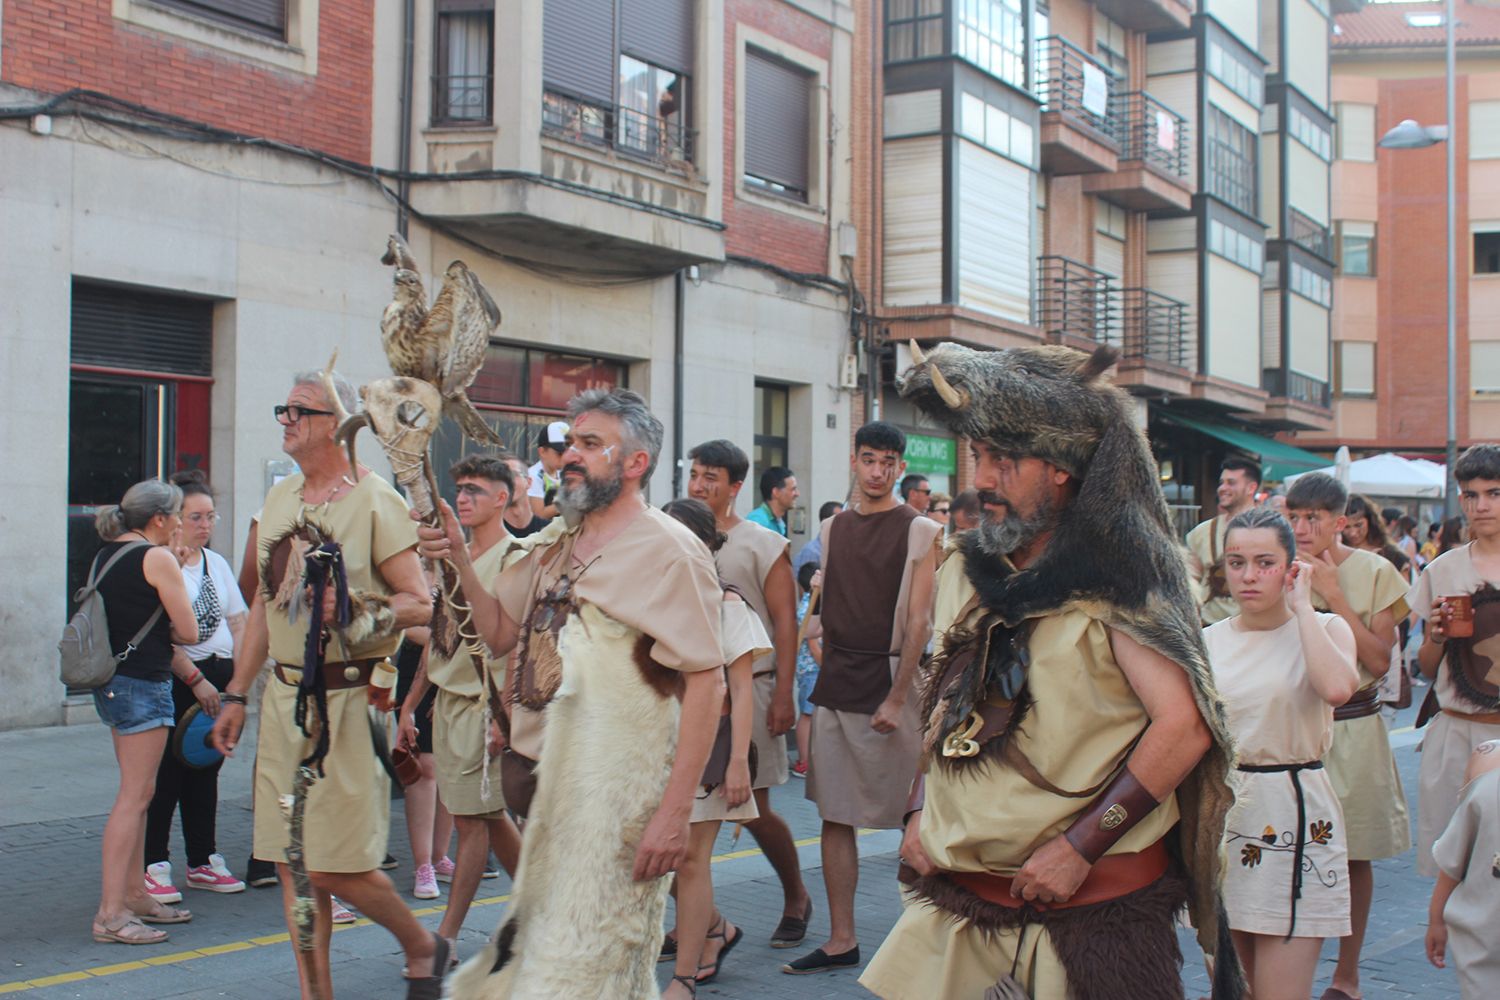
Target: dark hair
x,y
1360,505
1317,491
1406,522
805,574
491,467
966,502
1235,463
1482,461
910,483
1264,517
192,482
773,479
829,509
1452,534
880,436
695,515
1433,529
722,454
1391,513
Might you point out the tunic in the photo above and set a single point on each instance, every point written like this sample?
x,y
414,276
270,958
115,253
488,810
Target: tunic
x,y
745,560
1206,543
1083,722
1449,740
1277,717
1360,763
348,809
857,776
1469,851
742,633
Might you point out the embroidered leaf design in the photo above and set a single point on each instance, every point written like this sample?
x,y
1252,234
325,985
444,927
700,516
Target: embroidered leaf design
x,y
1268,835
1250,855
1319,831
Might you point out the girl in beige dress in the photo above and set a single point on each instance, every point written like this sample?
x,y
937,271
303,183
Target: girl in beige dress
x,y
1465,911
1280,667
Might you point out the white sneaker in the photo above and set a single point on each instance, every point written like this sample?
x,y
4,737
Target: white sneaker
x,y
214,876
425,885
159,883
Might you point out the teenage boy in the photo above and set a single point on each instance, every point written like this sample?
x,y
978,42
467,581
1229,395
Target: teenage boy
x,y
1465,693
1367,592
1239,479
778,494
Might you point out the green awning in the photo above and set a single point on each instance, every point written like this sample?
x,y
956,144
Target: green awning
x,y
1277,459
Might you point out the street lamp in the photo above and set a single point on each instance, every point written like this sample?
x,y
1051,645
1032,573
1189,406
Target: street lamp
x,y
1411,135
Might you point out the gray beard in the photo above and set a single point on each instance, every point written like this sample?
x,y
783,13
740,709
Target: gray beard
x,y
574,501
1004,536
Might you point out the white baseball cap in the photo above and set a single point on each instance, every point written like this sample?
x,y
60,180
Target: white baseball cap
x,y
556,435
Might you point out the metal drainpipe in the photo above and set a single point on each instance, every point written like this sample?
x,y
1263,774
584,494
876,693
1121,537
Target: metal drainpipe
x,y
403,154
679,324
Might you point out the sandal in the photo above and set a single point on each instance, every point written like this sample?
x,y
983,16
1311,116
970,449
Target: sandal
x,y
161,913
127,931
790,932
668,949
689,982
431,987
728,946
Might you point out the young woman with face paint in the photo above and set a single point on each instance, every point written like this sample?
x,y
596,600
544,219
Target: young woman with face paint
x,y
1281,667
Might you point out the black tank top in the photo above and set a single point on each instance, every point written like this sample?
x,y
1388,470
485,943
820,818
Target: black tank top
x,y
129,599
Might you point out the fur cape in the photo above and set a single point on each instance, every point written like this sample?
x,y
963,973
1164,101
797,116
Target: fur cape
x,y
1113,555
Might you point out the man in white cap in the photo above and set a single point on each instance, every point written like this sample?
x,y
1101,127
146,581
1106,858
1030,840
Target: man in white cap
x,y
547,472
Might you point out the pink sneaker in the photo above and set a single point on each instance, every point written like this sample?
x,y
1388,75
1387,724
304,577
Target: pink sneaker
x,y
443,868
159,883
342,914
214,876
425,884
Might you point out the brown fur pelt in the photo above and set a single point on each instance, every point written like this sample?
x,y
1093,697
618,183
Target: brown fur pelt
x,y
370,618
1112,555
948,709
1125,947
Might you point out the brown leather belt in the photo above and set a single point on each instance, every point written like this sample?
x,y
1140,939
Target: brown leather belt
x,y
1482,718
1366,701
336,676
1114,875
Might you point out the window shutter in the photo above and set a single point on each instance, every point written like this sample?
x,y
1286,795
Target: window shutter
x,y
265,17
1484,365
578,48
778,118
142,331
659,32
995,212
1484,130
1356,130
1356,367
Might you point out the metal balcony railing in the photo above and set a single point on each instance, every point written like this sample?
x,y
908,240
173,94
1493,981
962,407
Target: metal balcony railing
x,y
1287,384
628,131
1309,234
1156,327
1070,82
1075,300
1151,131
461,100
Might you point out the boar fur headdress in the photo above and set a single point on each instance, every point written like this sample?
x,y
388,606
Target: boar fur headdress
x,y
1113,554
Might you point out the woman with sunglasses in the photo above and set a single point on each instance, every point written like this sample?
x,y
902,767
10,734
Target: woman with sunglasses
x,y
205,668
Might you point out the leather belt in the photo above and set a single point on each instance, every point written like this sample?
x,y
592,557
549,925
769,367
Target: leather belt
x,y
336,676
1366,701
1113,876
1299,845
1482,718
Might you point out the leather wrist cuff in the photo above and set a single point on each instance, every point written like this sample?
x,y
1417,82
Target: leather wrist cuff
x,y
232,699
1112,815
917,799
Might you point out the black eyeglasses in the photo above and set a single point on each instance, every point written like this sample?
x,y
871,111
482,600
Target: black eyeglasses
x,y
292,413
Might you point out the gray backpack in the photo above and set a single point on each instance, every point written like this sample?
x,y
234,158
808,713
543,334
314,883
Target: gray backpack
x,y
85,657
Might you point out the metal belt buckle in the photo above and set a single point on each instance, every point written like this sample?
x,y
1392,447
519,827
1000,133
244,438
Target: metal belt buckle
x,y
960,742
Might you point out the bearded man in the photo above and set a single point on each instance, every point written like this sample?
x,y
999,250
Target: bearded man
x,y
1070,797
616,612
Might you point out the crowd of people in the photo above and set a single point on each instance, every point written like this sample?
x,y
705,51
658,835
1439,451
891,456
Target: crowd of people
x,y
1083,724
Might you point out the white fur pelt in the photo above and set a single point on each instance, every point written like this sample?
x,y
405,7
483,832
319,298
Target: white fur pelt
x,y
577,925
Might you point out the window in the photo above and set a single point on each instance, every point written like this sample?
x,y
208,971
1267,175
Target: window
x,y
1484,366
1230,243
778,123
1310,133
1311,285
262,17
1484,130
1354,368
992,36
914,29
1109,45
1231,69
1356,132
653,106
462,79
1230,152
771,403
1356,248
1487,252
997,131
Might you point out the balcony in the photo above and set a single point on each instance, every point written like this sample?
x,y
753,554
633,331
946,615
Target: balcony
x,y
1157,329
1152,175
1297,402
1147,15
1309,234
1076,304
628,132
1079,131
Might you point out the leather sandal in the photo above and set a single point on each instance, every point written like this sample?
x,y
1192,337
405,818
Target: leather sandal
x,y
127,931
689,982
790,932
161,913
728,946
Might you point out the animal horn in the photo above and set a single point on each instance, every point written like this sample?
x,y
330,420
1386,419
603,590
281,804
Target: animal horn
x,y
917,357
955,399
346,422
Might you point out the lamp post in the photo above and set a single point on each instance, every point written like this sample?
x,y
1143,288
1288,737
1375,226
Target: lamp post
x,y
1410,135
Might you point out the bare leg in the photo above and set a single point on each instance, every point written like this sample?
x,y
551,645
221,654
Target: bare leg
x,y
804,735
314,966
695,905
775,839
375,897
442,828
841,875
474,837
1279,969
421,808
122,848
505,844
1361,891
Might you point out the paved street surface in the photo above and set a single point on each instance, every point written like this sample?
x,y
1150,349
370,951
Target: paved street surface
x,y
56,786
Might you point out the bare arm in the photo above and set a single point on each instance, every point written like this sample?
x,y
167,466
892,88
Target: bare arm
x,y
781,602
164,573
411,601
913,643
1373,644
1434,638
495,627
741,718
249,570
1329,653
665,842
250,653
1177,737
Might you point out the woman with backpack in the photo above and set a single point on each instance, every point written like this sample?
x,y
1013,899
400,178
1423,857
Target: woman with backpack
x,y
143,585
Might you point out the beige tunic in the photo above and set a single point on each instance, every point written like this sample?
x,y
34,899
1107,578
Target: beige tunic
x,y
745,560
1203,541
1360,763
742,633
1448,741
348,809
1469,851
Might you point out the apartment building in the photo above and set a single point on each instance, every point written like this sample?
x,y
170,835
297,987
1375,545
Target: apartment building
x,y
1388,208
1144,174
656,191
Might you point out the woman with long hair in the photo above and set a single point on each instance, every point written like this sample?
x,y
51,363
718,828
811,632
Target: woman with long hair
x,y
1364,528
1281,667
1451,536
144,584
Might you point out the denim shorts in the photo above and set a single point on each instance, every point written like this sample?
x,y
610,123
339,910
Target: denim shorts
x,y
806,679
128,705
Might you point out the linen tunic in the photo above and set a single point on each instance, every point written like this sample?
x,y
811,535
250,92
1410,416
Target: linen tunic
x,y
745,560
1469,851
742,633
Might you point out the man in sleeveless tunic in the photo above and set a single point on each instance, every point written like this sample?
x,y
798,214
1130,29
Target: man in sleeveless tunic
x,y
1071,794
616,609
468,781
1239,479
1464,701
347,813
1369,594
755,561
875,620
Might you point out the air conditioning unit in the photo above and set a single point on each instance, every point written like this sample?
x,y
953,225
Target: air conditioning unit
x,y
849,372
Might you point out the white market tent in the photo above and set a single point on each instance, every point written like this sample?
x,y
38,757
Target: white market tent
x,y
1391,476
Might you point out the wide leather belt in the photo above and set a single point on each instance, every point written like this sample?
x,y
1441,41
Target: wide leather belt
x,y
1482,718
1366,701
1113,876
336,676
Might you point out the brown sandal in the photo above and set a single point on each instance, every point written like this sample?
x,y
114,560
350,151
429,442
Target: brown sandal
x,y
689,982
127,931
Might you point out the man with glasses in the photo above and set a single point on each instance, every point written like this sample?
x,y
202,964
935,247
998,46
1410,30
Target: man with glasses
x,y
520,520
916,492
347,812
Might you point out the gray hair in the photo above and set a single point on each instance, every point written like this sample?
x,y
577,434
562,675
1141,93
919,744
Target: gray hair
x,y
141,503
1265,517
640,430
341,385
